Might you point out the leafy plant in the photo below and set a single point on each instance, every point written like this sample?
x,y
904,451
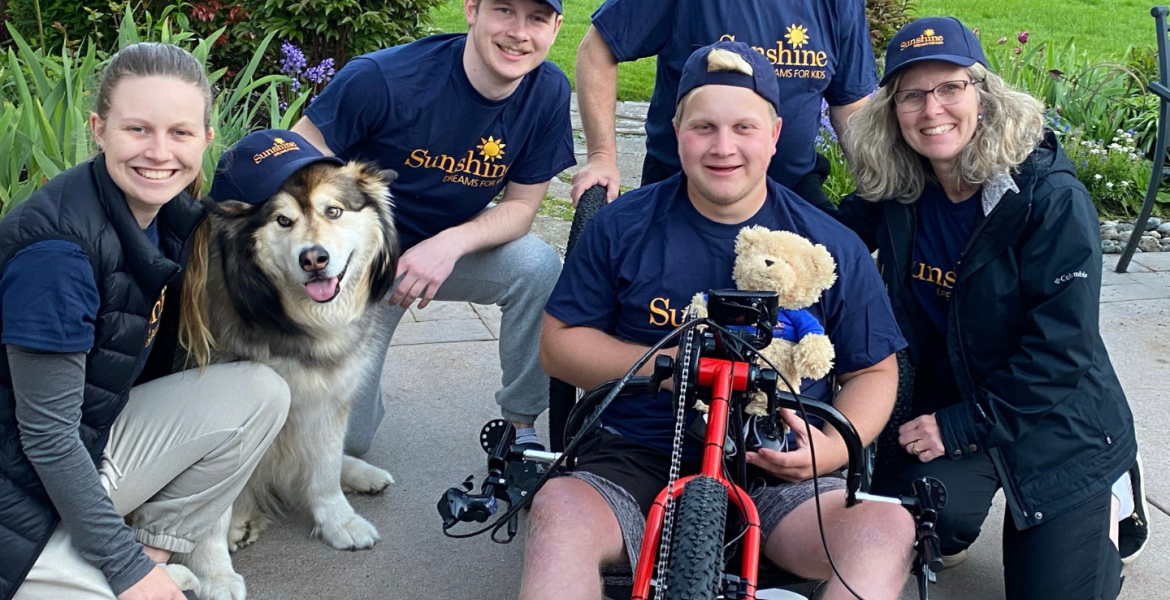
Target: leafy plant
x,y
885,18
1113,169
1099,97
46,99
839,183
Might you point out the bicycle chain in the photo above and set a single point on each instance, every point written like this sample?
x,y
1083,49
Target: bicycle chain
x,y
675,457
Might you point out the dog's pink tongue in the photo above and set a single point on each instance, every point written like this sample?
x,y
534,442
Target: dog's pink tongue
x,y
322,290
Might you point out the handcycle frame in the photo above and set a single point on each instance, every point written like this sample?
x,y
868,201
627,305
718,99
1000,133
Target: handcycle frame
x,y
724,378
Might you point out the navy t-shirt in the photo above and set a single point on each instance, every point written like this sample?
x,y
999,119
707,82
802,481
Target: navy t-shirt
x,y
642,258
944,227
49,298
820,49
411,108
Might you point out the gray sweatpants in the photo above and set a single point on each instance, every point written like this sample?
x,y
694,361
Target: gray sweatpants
x,y
518,277
178,455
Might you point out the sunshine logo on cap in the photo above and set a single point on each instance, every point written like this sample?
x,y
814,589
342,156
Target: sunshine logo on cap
x,y
279,146
928,38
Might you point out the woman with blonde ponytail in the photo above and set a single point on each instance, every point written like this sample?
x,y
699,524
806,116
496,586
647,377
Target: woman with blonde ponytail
x,y
111,461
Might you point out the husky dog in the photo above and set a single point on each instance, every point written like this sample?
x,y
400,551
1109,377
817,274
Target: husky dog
x,y
288,284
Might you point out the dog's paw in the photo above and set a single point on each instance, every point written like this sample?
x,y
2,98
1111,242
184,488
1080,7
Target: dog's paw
x,y
246,530
183,577
228,585
361,477
355,534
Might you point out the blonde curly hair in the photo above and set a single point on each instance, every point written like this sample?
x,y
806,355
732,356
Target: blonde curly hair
x,y
886,167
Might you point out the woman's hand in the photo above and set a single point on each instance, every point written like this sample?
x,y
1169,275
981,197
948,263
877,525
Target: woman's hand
x,y
157,585
922,438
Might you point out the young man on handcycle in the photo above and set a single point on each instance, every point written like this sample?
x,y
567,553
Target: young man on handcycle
x,y
633,272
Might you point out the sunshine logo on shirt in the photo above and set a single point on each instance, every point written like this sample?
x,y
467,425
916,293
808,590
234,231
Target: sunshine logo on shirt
x,y
944,281
480,167
791,56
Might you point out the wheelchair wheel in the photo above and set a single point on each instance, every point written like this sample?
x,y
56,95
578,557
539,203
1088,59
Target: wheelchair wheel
x,y
889,450
696,555
562,396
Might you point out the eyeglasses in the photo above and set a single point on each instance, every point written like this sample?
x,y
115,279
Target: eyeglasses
x,y
946,93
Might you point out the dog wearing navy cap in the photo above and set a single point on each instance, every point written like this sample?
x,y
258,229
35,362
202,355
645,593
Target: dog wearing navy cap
x,y
300,246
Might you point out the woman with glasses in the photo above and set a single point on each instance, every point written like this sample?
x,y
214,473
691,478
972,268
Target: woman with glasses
x,y
990,251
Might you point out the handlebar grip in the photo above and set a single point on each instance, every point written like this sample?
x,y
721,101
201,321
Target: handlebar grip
x,y
931,553
591,201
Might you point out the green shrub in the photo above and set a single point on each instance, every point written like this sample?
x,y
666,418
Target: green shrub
x,y
48,23
885,18
337,29
1113,169
46,99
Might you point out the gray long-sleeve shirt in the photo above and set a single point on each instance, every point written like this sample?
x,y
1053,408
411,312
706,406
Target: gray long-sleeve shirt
x,y
48,389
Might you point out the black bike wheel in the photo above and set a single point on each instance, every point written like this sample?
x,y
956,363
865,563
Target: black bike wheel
x,y
562,396
696,555
889,451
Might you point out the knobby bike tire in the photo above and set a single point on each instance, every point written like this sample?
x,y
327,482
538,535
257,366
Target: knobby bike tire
x,y
696,555
562,396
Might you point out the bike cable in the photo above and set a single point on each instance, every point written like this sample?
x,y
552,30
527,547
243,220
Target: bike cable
x,y
515,509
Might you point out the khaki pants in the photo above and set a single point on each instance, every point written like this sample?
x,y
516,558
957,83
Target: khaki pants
x,y
178,455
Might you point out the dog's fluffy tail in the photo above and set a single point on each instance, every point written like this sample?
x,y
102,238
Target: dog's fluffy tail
x,y
194,322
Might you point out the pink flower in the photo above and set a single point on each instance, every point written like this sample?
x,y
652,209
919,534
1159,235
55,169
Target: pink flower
x,y
1023,37
1018,50
1002,40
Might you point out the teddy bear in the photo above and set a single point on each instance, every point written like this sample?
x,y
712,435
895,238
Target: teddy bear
x,y
798,271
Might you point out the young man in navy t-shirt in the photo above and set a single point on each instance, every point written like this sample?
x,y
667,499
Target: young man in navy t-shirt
x,y
462,118
819,49
637,265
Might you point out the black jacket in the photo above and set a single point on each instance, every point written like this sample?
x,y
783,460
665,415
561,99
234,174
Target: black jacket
x,y
82,205
1035,385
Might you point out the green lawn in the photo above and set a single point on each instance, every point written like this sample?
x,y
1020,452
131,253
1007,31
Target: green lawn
x,y
1103,28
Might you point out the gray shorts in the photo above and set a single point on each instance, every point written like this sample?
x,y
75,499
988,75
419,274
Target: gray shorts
x,y
629,476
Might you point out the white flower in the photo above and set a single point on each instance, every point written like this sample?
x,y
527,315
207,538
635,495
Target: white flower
x,y
1115,146
1084,142
1120,131
1124,184
1117,139
1133,156
1109,184
1097,176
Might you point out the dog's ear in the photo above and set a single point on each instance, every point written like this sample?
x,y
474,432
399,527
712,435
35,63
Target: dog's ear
x,y
252,293
231,209
375,183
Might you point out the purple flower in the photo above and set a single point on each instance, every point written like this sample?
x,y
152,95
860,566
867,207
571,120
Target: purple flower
x,y
1023,37
321,73
826,128
293,61
296,85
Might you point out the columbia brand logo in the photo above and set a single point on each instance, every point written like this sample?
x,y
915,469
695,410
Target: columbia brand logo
x,y
1070,277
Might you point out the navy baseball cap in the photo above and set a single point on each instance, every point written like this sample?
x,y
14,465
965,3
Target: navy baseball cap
x,y
762,80
556,4
255,167
932,38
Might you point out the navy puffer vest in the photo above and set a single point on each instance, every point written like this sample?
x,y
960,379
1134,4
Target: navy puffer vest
x,y
84,206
